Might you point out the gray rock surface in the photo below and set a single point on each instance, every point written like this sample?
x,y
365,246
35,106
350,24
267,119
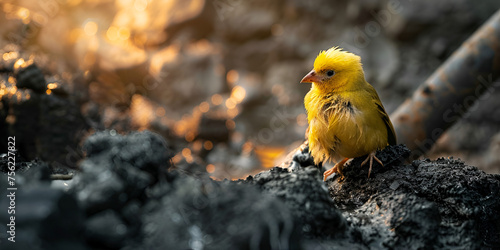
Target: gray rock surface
x,y
124,198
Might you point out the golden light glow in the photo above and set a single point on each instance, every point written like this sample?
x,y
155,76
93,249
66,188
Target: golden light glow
x,y
8,8
73,2
267,155
208,145
210,168
232,76
52,85
24,14
142,111
186,152
12,80
238,93
112,33
230,103
19,63
189,136
177,158
124,3
164,56
216,99
74,35
232,113
10,55
90,28
123,33
141,20
200,47
204,107
48,91
13,90
40,19
196,146
140,5
247,147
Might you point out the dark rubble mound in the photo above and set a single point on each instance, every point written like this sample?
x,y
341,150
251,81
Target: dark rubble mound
x,y
133,202
306,195
425,204
204,214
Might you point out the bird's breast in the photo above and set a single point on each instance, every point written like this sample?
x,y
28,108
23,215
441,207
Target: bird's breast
x,y
340,126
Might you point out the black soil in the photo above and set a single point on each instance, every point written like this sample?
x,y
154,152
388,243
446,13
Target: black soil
x,y
125,197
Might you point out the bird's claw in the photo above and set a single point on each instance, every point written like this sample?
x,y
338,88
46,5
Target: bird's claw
x,y
336,169
370,157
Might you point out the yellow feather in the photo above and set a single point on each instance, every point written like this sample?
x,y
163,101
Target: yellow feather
x,y
346,117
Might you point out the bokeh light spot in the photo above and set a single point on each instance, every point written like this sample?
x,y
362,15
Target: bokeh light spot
x,y
123,33
230,103
210,168
232,76
112,33
238,93
204,107
216,99
90,28
208,145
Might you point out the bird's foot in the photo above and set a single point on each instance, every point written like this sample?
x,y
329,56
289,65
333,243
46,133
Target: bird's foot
x,y
370,157
336,169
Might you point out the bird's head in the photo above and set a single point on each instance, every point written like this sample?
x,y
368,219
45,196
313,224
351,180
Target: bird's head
x,y
335,69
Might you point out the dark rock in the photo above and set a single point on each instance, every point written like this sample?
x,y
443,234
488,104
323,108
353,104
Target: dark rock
x,y
213,128
61,127
303,159
425,204
23,124
124,198
45,218
45,126
30,77
145,150
119,169
41,170
106,229
218,215
306,195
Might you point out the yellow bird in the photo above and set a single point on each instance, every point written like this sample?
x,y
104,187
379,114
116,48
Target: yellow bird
x,y
346,117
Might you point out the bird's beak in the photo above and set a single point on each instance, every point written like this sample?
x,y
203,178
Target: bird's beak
x,y
311,77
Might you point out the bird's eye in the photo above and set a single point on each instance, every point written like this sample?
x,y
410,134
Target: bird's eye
x,y
330,73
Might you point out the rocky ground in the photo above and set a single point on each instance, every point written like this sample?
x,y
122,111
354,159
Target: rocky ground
x,y
214,90
125,198
233,66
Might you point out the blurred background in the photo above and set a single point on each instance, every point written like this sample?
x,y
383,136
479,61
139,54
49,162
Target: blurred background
x,y
219,79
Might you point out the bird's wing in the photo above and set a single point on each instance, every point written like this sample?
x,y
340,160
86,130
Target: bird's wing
x,y
391,135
